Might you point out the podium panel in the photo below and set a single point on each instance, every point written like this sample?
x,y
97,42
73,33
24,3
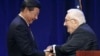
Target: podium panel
x,y
87,53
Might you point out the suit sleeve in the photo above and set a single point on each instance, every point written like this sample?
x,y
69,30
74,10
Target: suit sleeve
x,y
24,43
77,41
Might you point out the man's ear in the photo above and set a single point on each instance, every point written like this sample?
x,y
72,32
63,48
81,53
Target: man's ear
x,y
26,9
74,21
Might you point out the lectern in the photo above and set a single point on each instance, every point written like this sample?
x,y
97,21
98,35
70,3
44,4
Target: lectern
x,y
88,53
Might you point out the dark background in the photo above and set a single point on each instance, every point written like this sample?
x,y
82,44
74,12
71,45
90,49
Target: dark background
x,y
48,29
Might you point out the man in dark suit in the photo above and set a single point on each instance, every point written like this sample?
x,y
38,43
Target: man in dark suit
x,y
21,41
82,37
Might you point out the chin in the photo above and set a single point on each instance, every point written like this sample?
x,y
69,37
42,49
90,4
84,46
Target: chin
x,y
30,22
69,31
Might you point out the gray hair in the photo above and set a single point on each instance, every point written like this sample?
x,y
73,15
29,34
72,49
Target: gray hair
x,y
77,14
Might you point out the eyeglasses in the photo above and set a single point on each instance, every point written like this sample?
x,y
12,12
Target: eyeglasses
x,y
69,19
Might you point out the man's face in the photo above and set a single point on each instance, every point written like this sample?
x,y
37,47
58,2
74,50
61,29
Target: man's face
x,y
32,15
68,23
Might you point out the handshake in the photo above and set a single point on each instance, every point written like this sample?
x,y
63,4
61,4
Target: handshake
x,y
50,51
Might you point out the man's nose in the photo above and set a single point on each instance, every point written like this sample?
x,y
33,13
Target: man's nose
x,y
64,23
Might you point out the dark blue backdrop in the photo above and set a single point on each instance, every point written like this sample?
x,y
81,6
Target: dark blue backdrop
x,y
48,29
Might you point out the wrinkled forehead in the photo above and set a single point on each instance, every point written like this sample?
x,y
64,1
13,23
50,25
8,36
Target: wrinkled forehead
x,y
67,16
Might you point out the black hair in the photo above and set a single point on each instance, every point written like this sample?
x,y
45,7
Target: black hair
x,y
30,4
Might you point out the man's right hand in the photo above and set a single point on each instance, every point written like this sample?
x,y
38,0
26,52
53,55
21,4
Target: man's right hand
x,y
48,51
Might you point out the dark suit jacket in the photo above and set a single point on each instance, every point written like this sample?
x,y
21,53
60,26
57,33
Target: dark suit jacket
x,y
83,38
21,42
